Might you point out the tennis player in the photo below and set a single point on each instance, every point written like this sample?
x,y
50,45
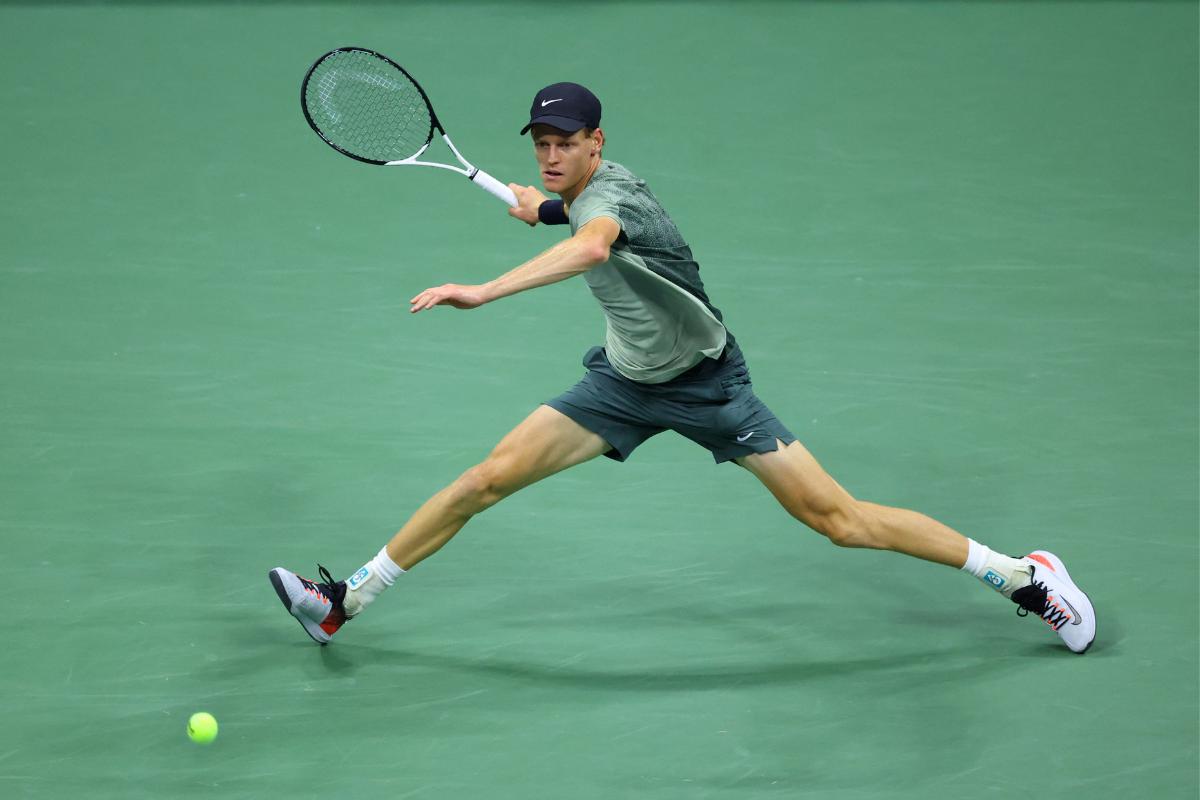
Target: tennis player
x,y
668,363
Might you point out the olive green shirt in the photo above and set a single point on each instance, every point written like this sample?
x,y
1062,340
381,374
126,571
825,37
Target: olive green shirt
x,y
659,320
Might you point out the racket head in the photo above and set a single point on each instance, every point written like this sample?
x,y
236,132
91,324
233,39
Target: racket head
x,y
366,106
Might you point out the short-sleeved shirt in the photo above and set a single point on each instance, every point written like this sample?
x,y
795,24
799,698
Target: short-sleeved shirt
x,y
660,322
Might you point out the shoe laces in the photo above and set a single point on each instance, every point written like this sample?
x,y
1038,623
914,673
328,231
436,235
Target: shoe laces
x,y
334,590
1031,598
1035,598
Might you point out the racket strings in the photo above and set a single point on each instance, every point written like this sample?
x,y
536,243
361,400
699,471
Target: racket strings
x,y
365,106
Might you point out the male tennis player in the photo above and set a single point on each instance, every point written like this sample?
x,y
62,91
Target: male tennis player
x,y
668,363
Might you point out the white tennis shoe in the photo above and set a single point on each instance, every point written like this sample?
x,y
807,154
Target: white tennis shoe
x,y
317,606
1054,597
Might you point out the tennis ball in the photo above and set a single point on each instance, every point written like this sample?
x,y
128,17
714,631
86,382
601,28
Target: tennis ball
x,y
202,727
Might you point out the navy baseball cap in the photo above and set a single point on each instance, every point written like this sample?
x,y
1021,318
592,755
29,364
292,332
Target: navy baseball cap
x,y
566,106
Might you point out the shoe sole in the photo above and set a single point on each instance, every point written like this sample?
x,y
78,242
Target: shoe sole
x,y
311,628
1060,569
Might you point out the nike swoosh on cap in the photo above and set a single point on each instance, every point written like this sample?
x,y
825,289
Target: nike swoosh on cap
x,y
548,102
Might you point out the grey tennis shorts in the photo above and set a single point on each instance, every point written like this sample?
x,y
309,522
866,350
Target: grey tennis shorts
x,y
713,404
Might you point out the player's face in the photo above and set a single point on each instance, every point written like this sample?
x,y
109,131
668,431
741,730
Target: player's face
x,y
564,159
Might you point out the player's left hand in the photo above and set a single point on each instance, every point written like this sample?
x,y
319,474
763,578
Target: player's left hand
x,y
450,294
528,199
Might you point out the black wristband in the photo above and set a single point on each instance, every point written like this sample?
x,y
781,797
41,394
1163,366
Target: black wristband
x,y
550,212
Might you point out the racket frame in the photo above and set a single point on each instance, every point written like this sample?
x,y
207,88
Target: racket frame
x,y
471,172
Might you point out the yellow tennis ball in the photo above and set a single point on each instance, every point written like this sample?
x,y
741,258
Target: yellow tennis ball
x,y
202,727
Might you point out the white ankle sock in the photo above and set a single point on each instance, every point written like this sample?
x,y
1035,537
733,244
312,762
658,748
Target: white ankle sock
x,y
1000,572
369,582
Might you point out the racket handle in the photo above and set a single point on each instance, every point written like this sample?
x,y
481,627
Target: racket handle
x,y
493,186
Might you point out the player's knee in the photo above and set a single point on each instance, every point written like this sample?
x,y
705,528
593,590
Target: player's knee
x,y
475,490
482,486
845,527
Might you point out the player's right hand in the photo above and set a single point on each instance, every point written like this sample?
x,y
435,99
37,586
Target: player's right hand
x,y
528,199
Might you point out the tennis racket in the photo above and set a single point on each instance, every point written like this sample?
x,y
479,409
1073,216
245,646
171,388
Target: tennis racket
x,y
366,106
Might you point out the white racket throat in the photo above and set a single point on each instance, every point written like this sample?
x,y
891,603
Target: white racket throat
x,y
477,176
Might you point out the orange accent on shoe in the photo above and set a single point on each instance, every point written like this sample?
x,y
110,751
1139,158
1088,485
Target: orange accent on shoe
x,y
334,621
1056,616
1043,561
313,590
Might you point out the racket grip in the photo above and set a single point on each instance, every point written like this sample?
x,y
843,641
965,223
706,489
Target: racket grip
x,y
493,186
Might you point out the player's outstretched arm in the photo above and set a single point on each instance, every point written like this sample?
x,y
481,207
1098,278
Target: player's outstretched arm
x,y
587,248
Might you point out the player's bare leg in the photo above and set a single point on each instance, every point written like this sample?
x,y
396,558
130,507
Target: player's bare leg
x,y
546,442
1038,583
810,495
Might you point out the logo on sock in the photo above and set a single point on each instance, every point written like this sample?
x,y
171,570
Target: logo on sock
x,y
357,578
992,577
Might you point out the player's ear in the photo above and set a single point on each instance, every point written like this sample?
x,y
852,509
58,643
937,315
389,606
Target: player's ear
x,y
597,140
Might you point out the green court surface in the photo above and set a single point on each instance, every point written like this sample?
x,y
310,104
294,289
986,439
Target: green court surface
x,y
957,241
